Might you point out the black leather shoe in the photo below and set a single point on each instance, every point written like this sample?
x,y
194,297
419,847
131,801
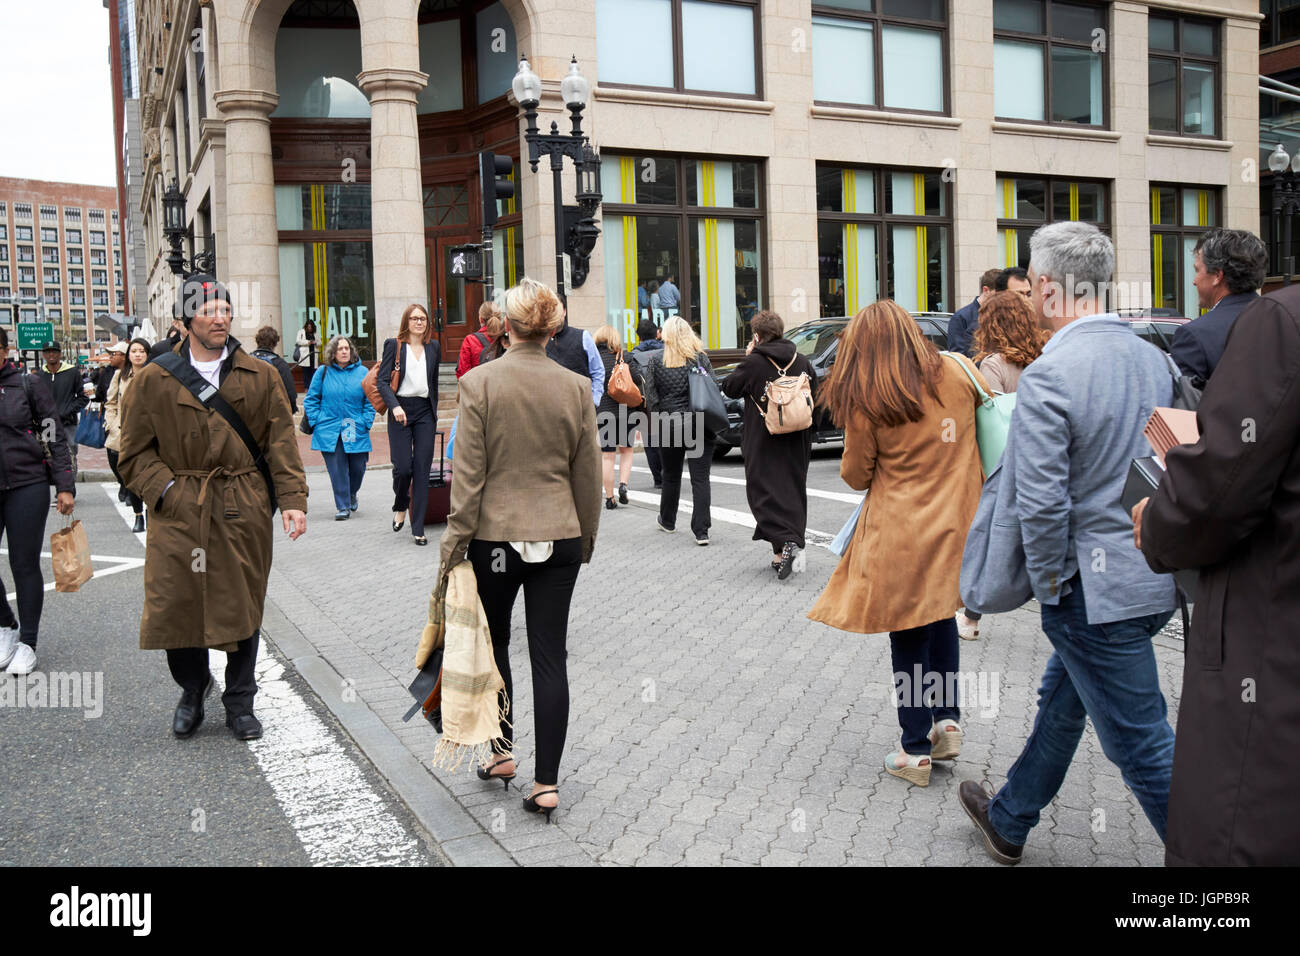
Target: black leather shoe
x,y
244,726
975,801
189,712
121,494
139,524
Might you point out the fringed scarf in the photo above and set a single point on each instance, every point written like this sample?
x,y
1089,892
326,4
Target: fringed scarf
x,y
473,692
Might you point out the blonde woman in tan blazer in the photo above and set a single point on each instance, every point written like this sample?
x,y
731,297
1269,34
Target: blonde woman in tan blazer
x,y
908,416
524,509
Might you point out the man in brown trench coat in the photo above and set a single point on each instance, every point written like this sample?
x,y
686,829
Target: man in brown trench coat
x,y
1230,505
208,553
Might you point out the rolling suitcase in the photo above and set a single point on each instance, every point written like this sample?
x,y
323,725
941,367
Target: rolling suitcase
x,y
439,501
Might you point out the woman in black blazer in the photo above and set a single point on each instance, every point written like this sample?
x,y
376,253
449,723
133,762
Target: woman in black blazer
x,y
412,415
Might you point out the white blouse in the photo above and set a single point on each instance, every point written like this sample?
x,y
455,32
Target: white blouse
x,y
415,377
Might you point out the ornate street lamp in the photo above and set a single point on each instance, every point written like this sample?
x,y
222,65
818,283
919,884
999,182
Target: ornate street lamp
x,y
578,236
174,231
1286,201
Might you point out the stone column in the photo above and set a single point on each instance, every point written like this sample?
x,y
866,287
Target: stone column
x,y
396,197
252,261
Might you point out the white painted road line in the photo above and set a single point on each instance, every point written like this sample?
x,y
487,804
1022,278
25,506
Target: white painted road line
x,y
339,818
851,498
742,518
118,564
124,510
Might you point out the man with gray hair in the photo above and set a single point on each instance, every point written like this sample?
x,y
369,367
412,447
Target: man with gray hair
x,y
1229,269
1080,411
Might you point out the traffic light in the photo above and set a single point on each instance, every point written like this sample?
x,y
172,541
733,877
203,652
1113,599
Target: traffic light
x,y
491,170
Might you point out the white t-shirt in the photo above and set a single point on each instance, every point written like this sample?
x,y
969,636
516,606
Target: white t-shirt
x,y
415,377
211,371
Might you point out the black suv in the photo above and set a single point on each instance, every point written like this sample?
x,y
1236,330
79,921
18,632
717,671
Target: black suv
x,y
816,341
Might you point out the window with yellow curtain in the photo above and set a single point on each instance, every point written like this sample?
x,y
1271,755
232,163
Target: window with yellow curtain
x,y
1179,216
883,233
1025,203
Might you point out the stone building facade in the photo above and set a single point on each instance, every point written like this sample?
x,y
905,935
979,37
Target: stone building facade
x,y
802,156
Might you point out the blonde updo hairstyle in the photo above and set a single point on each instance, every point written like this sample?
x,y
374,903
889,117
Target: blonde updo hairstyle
x,y
533,311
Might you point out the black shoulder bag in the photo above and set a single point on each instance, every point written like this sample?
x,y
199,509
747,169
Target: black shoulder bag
x,y
207,394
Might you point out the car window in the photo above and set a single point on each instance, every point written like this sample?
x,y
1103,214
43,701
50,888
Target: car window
x,y
813,340
931,330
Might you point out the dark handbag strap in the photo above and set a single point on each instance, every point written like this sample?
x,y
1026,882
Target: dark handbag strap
x,y
207,394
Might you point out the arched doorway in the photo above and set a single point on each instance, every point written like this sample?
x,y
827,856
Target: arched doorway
x,y
320,135
470,52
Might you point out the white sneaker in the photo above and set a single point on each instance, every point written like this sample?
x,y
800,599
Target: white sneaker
x,y
24,661
8,644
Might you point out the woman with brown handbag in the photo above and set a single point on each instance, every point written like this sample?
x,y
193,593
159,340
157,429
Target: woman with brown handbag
x,y
909,438
412,414
612,416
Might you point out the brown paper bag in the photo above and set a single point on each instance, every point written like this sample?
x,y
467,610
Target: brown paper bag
x,y
70,555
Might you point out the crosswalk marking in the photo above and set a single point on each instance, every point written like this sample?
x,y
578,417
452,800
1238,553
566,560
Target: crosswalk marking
x,y
846,497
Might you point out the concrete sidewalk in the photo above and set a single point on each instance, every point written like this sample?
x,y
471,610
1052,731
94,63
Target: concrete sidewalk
x,y
710,721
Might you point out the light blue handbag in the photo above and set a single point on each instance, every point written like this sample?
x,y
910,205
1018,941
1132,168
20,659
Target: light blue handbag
x,y
992,420
451,438
841,542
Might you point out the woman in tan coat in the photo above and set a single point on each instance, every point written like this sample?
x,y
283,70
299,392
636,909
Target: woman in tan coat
x,y
137,357
909,440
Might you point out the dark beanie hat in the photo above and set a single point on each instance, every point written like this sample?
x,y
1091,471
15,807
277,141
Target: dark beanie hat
x,y
196,290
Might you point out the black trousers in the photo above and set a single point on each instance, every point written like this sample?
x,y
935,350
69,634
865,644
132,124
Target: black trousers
x,y
22,513
548,589
131,497
655,462
410,448
189,667
673,460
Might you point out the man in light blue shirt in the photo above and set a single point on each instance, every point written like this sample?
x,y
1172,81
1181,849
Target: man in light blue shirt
x,y
1080,412
670,297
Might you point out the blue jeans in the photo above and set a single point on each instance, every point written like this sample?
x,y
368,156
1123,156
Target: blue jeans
x,y
346,471
925,661
1106,672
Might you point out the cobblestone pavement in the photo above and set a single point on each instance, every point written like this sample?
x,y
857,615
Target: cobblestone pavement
x,y
711,722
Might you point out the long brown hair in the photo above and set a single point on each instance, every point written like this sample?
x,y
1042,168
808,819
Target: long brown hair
x,y
882,369
404,329
1008,326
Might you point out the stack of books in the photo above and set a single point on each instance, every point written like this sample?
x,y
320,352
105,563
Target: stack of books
x,y
1169,427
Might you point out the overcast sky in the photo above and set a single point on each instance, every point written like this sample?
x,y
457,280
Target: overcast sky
x,y
56,104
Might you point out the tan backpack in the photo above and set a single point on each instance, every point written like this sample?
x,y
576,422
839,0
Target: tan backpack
x,y
789,401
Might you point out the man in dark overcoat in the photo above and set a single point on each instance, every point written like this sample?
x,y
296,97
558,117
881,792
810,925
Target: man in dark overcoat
x,y
1230,506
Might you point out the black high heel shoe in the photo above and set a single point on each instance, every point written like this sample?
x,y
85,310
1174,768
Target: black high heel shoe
x,y
485,773
532,806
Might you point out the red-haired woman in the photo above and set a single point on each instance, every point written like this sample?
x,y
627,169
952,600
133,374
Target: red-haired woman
x,y
908,416
412,414
1007,340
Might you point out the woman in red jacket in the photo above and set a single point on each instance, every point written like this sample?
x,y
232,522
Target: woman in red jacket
x,y
489,320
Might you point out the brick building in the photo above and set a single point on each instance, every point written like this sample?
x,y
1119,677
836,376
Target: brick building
x,y
61,244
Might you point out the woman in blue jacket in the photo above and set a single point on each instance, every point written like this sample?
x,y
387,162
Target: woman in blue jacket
x,y
340,416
